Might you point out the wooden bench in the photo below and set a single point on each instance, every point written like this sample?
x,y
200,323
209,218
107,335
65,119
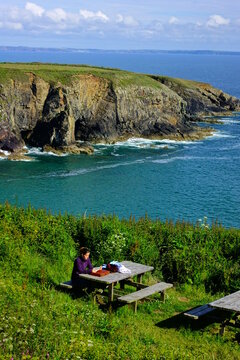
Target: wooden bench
x,y
143,293
199,311
66,285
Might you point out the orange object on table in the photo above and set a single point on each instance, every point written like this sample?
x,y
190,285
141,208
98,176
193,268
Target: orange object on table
x,y
101,273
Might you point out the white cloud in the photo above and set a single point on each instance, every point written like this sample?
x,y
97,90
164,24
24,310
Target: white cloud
x,y
126,20
57,15
217,20
11,25
35,9
99,15
173,20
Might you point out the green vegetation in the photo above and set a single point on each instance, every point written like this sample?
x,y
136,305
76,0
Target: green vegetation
x,y
64,74
38,321
183,83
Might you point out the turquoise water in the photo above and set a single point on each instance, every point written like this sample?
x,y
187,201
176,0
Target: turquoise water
x,y
165,179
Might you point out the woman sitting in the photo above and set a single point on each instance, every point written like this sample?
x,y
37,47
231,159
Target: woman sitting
x,y
82,265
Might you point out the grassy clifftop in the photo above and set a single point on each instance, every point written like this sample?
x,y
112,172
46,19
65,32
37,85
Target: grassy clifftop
x,y
64,74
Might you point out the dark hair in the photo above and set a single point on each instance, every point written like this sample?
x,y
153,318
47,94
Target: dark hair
x,y
84,250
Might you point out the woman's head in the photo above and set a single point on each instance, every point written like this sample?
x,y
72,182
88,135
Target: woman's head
x,y
84,252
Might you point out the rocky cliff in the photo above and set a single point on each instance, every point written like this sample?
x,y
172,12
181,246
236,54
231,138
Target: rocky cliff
x,y
53,105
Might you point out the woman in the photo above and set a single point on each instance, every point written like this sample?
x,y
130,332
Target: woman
x,y
82,265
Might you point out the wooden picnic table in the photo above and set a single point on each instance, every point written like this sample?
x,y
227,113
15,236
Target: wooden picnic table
x,y
229,303
112,279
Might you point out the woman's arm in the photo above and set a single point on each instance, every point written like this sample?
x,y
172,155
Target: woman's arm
x,y
82,266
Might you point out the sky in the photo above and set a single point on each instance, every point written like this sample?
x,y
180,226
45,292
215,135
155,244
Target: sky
x,y
122,24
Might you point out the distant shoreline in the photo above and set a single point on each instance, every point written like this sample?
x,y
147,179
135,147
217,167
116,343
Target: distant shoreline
x,y
120,51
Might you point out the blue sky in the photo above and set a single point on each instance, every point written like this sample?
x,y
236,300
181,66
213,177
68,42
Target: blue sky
x,y
122,24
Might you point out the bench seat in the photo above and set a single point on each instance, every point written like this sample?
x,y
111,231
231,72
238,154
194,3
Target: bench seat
x,y
198,312
143,293
66,285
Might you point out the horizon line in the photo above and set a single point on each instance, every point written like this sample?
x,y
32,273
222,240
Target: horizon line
x,y
25,48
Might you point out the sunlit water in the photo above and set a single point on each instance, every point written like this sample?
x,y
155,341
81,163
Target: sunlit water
x,y
165,179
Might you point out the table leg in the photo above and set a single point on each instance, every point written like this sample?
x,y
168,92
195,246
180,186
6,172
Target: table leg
x,y
163,296
139,278
110,293
135,304
122,285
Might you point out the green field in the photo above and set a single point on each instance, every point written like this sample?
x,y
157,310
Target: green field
x,y
39,321
65,74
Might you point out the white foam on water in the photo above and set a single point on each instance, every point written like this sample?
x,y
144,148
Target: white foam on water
x,y
141,142
167,160
219,135
227,121
5,152
25,160
115,154
34,151
171,159
148,143
38,151
93,169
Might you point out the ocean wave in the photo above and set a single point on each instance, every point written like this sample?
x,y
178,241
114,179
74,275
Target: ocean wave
x,y
38,151
24,160
93,169
167,160
220,135
5,152
142,143
227,121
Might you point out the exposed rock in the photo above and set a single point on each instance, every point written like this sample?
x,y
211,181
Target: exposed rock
x,y
202,99
19,156
70,149
2,155
53,115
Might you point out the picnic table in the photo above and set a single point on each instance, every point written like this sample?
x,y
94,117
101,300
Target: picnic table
x,y
229,303
111,280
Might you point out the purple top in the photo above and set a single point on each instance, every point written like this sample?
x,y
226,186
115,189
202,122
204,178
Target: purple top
x,y
81,266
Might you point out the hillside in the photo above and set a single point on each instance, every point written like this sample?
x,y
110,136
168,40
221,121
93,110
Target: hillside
x,y
59,105
39,321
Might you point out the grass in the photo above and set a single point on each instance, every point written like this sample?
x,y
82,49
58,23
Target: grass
x,y
65,74
38,321
183,83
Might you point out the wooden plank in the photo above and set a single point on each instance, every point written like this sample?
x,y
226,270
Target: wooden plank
x,y
230,302
150,290
135,284
196,313
136,269
66,284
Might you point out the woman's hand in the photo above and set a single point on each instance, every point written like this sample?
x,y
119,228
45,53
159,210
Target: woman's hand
x,y
94,270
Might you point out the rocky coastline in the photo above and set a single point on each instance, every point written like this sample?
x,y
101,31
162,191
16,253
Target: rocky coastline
x,y
67,109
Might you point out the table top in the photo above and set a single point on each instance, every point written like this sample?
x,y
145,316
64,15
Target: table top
x,y
230,302
136,269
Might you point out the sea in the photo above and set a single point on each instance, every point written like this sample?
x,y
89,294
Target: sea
x,y
167,180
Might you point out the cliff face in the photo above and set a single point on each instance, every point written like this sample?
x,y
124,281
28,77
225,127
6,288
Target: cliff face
x,y
202,99
94,108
